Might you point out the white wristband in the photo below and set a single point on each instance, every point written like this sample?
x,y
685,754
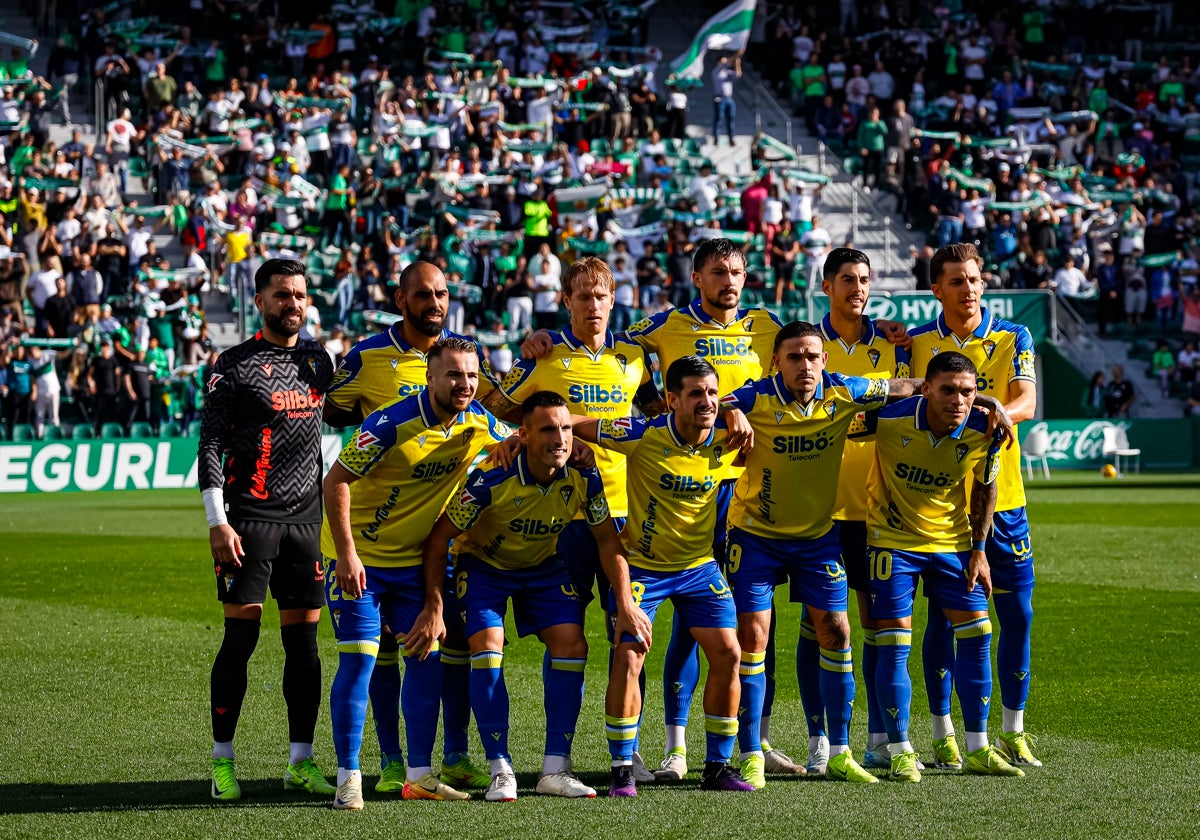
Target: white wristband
x,y
214,506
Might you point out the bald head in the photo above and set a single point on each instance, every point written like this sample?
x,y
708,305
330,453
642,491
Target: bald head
x,y
423,299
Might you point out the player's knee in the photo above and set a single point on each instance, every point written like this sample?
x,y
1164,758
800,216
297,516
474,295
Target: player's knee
x,y
723,653
387,642
834,631
571,647
627,663
754,629
241,637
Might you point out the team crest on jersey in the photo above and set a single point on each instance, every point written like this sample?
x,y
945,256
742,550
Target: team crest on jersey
x,y
748,324
566,363
566,493
905,440
267,369
874,355
467,435
1025,365
394,362
622,361
213,380
989,347
830,408
960,451
365,439
717,452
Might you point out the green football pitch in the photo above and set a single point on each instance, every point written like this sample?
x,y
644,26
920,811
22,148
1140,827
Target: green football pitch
x,y
112,626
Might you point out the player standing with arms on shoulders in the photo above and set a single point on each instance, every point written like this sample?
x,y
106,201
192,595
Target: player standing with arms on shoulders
x,y
260,477
927,451
1003,353
505,525
376,371
387,489
781,521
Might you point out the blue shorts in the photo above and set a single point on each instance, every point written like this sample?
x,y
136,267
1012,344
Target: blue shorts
x,y
1010,552
701,596
894,574
814,568
577,550
542,596
392,596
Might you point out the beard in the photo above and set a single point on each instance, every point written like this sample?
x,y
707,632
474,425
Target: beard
x,y
276,324
428,327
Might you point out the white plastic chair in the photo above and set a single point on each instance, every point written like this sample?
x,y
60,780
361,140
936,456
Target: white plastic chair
x,y
1116,444
1035,448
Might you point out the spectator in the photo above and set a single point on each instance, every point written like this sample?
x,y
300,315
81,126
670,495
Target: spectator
x,y
1162,367
1093,402
625,294
724,109
1070,282
872,139
785,248
1119,396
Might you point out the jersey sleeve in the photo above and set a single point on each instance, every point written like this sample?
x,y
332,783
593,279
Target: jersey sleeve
x,y
988,467
369,444
643,332
465,509
216,422
345,389
519,382
622,434
596,508
903,363
742,399
1024,357
868,393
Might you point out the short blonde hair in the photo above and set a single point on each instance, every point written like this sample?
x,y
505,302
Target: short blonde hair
x,y
591,271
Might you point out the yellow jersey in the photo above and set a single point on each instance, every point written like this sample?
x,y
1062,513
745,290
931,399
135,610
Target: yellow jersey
x,y
672,489
917,489
874,357
740,350
384,367
513,522
1003,353
409,466
791,479
600,385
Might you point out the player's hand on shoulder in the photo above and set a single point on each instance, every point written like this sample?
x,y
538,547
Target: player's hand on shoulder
x,y
582,456
1000,424
895,332
350,574
506,451
537,345
738,431
226,545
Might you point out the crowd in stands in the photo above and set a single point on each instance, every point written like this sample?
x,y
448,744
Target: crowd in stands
x,y
501,141
1047,134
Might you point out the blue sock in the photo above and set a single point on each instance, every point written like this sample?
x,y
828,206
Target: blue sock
x,y
973,671
348,698
719,734
769,664
837,690
385,705
456,703
752,674
808,673
420,700
893,682
620,732
489,702
681,673
870,660
1014,611
563,700
937,655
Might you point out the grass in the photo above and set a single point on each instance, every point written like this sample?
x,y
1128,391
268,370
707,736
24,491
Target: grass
x,y
113,625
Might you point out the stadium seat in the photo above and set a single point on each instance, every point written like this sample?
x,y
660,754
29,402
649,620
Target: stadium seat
x,y
23,432
1116,445
1035,448
53,433
112,430
82,431
169,429
141,430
